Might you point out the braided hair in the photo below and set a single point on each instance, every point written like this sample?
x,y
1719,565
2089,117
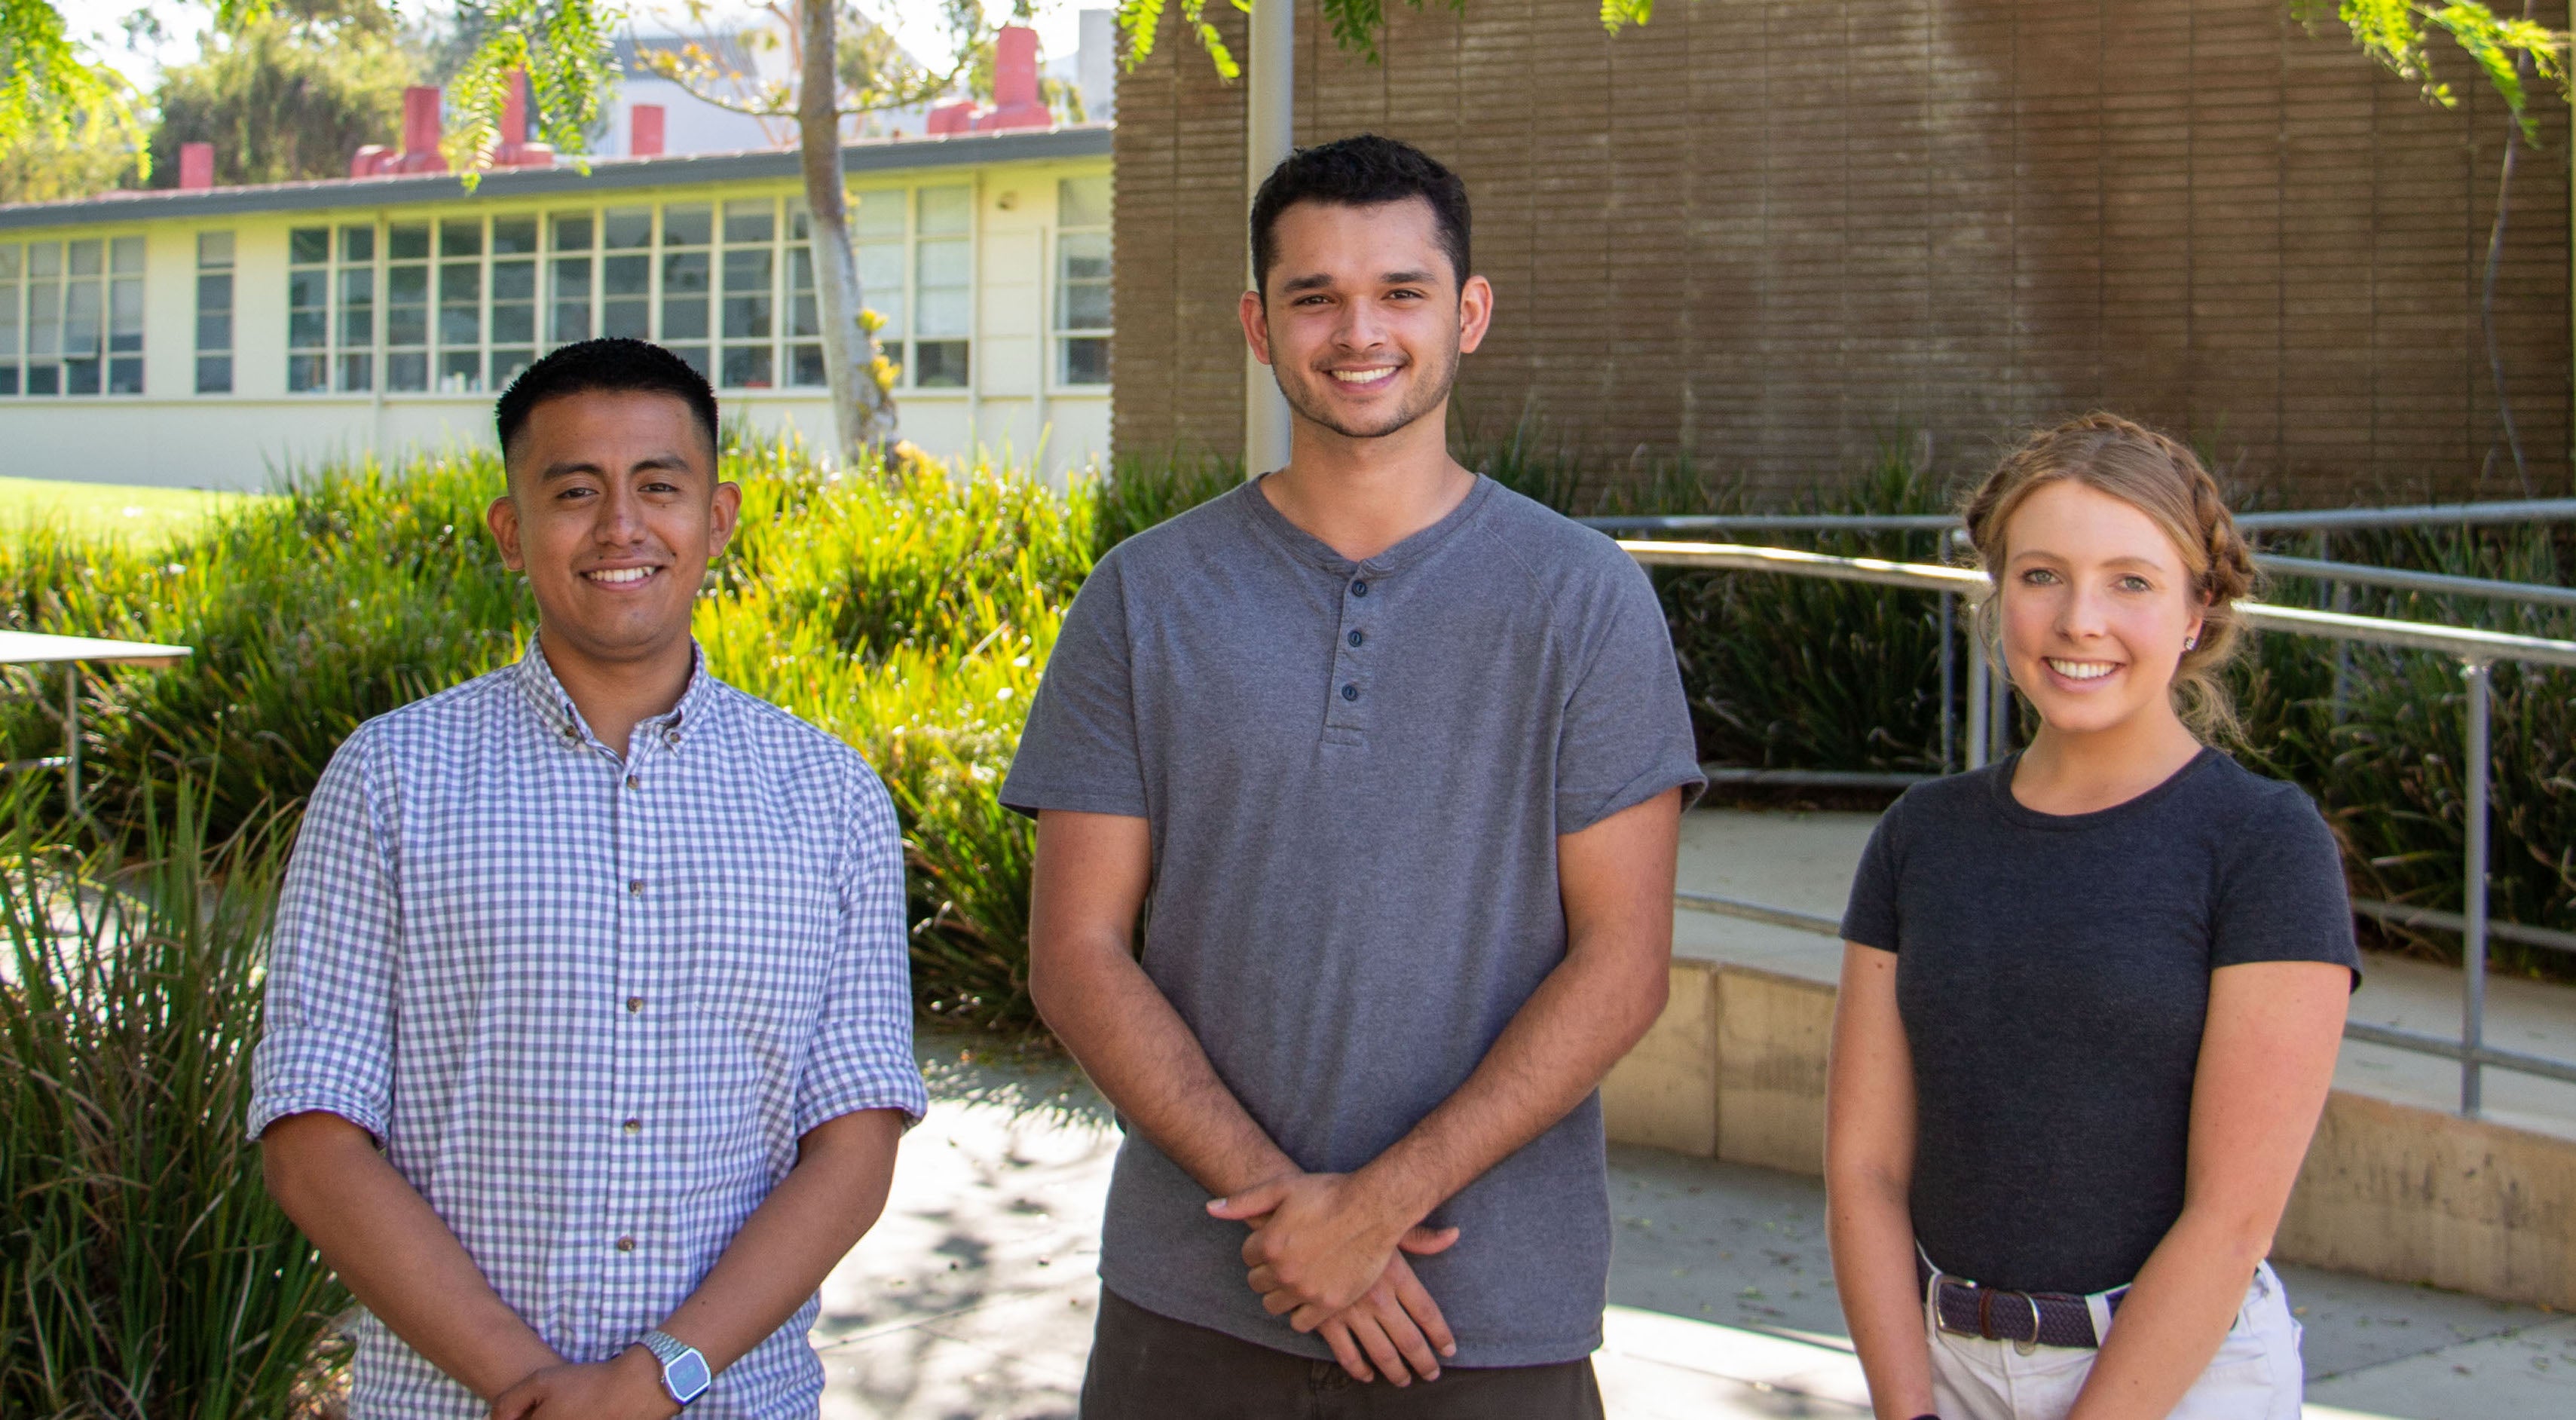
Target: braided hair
x,y
2161,478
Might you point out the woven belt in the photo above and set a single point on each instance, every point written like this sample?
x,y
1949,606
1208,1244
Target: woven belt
x,y
2025,1318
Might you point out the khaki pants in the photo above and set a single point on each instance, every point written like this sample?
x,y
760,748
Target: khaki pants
x,y
2256,1374
1146,1366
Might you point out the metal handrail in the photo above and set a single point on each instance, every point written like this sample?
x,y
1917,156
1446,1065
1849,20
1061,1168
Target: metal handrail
x,y
2526,510
2406,580
1990,698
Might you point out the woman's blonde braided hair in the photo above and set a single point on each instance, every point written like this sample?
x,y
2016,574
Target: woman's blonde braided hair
x,y
2161,478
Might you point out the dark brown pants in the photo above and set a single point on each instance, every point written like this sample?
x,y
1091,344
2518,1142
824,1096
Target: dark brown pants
x,y
1149,1367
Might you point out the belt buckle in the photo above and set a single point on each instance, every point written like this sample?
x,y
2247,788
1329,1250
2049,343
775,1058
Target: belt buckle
x,y
1985,1317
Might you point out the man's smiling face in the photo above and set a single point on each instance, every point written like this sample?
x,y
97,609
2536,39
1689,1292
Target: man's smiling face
x,y
1364,319
613,513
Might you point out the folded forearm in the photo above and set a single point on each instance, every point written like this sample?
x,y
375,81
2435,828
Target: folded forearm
x,y
1584,1017
2176,1313
1140,1053
794,1239
396,1256
1872,1234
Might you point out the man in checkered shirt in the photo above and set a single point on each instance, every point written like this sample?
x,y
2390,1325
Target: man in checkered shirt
x,y
589,1027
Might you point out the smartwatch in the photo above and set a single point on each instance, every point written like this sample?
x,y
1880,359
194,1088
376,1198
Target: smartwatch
x,y
685,1376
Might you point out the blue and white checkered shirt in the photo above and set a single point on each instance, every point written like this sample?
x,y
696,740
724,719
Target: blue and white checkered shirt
x,y
589,1006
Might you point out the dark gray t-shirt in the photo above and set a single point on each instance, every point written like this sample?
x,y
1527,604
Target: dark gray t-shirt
x,y
1355,775
2053,973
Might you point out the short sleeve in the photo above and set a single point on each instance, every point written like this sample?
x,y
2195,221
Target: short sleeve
x,y
1626,736
1078,750
1869,914
861,1056
327,1025
2281,894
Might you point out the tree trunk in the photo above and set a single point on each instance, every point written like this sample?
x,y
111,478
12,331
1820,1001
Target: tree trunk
x,y
2487,295
2487,308
863,414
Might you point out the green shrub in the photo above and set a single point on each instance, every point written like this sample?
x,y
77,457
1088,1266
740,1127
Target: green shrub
x,y
143,1269
2386,762
905,611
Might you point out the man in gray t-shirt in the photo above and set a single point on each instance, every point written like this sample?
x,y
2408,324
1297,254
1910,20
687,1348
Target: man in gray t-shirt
x,y
1398,755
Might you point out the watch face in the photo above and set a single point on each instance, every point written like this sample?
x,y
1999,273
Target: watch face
x,y
687,1376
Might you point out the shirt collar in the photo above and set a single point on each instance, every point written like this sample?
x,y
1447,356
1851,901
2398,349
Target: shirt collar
x,y
553,704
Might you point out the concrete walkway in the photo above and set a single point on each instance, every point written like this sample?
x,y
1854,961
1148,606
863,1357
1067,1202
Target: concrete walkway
x,y
973,1299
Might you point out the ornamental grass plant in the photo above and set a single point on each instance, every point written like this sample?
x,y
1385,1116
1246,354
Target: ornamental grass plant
x,y
143,1270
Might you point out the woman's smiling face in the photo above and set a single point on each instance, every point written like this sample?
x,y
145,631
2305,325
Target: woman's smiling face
x,y
2097,608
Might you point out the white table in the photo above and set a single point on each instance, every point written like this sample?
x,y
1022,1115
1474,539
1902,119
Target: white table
x,y
25,648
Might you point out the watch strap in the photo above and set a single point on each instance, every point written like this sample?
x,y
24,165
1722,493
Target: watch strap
x,y
673,1353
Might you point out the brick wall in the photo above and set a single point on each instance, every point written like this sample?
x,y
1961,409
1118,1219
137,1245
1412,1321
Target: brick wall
x,y
1763,237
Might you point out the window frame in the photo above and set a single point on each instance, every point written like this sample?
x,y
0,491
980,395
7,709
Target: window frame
x,y
1059,336
118,295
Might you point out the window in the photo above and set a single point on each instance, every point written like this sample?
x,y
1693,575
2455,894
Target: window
x,y
626,273
214,313
458,304
407,306
568,277
1082,314
880,226
804,308
71,317
514,297
749,325
943,286
12,271
331,309
687,232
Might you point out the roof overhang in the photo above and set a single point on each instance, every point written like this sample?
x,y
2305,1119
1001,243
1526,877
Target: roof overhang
x,y
1089,140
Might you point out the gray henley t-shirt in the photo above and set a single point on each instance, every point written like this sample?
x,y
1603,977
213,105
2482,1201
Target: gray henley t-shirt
x,y
1355,776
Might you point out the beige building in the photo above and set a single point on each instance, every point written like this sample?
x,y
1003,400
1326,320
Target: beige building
x,y
217,337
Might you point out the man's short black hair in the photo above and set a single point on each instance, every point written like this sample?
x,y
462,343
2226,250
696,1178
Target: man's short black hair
x,y
1363,170
610,363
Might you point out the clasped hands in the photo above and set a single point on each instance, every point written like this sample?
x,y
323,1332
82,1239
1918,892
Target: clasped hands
x,y
1327,1251
627,1387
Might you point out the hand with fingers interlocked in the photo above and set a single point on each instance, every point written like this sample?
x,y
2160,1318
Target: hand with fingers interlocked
x,y
1328,1252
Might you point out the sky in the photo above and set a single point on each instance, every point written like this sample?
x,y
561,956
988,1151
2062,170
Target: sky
x,y
915,24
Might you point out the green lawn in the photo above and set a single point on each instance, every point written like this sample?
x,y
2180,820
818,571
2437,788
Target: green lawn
x,y
117,510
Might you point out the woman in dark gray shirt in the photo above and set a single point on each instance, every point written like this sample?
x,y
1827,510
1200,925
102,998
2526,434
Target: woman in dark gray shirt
x,y
2091,995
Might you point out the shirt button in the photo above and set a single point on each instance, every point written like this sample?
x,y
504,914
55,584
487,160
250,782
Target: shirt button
x,y
1359,589
1357,638
626,1244
1350,692
633,1126
636,781
634,1004
635,887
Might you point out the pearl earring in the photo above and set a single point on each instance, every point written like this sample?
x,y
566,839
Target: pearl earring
x,y
2191,643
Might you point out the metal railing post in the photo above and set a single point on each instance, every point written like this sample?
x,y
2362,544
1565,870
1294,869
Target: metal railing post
x,y
2473,975
1999,704
1977,686
2342,603
71,737
1949,676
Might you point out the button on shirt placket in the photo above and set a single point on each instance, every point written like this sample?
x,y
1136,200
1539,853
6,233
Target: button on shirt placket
x,y
641,1019
1346,694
